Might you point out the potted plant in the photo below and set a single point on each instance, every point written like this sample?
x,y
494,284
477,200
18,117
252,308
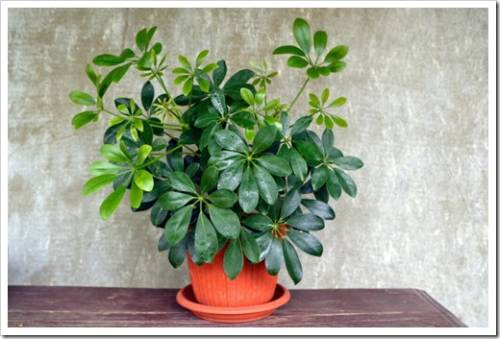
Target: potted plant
x,y
234,184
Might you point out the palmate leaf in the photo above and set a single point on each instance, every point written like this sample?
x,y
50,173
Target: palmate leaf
x,y
249,246
223,198
248,193
173,200
292,261
319,208
306,242
205,239
177,225
268,190
233,259
231,141
274,257
225,221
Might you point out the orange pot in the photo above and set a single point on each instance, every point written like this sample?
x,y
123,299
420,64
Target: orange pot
x,y
253,286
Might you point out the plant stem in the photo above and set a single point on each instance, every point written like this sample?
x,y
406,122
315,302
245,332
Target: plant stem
x,y
298,94
162,84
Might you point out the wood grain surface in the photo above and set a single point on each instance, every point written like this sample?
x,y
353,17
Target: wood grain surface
x,y
42,306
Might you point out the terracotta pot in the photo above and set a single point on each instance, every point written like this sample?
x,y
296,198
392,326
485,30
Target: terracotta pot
x,y
253,286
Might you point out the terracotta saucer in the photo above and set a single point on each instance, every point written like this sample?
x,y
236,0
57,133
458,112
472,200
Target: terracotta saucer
x,y
185,298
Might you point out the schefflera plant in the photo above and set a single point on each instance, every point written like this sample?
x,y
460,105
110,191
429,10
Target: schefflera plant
x,y
220,166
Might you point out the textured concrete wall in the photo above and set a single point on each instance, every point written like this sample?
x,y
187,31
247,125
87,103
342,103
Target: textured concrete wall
x,y
417,83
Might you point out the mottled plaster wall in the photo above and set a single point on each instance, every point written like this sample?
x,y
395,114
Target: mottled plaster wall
x,y
417,83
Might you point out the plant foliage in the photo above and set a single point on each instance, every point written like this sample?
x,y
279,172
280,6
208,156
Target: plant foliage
x,y
220,165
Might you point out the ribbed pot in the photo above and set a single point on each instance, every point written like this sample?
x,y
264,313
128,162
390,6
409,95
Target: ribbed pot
x,y
253,286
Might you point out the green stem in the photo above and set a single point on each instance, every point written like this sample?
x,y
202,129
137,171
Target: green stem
x,y
162,84
298,94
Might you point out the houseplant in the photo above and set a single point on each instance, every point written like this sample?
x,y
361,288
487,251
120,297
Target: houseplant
x,y
235,185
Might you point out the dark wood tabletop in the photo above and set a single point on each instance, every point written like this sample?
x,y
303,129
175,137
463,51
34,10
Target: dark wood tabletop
x,y
42,306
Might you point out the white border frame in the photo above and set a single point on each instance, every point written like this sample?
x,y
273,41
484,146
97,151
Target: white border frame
x,y
492,203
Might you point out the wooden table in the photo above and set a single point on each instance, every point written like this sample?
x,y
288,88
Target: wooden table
x,y
35,306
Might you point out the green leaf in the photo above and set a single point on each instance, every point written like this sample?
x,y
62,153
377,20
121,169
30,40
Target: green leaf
x,y
220,72
258,222
306,222
309,150
142,153
337,66
201,56
319,177
83,118
162,244
313,73
327,140
101,167
180,181
264,139
223,198
233,260
300,125
333,185
141,38
136,195
230,178
297,62
328,122
206,119
249,246
348,185
81,98
339,121
302,34
288,49
348,162
144,180
248,192
92,75
218,100
172,200
238,79
314,100
274,257
114,76
96,183
108,60
275,165
158,215
244,119
268,189
297,163
149,36
247,96
340,101
209,179
292,262
205,238
110,204
230,140
306,242
336,53
319,208
177,254
127,53
320,39
290,203
185,62
147,95
113,153
187,87
325,95
225,221
177,225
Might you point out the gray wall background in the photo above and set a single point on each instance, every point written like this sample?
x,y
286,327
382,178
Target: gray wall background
x,y
417,85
